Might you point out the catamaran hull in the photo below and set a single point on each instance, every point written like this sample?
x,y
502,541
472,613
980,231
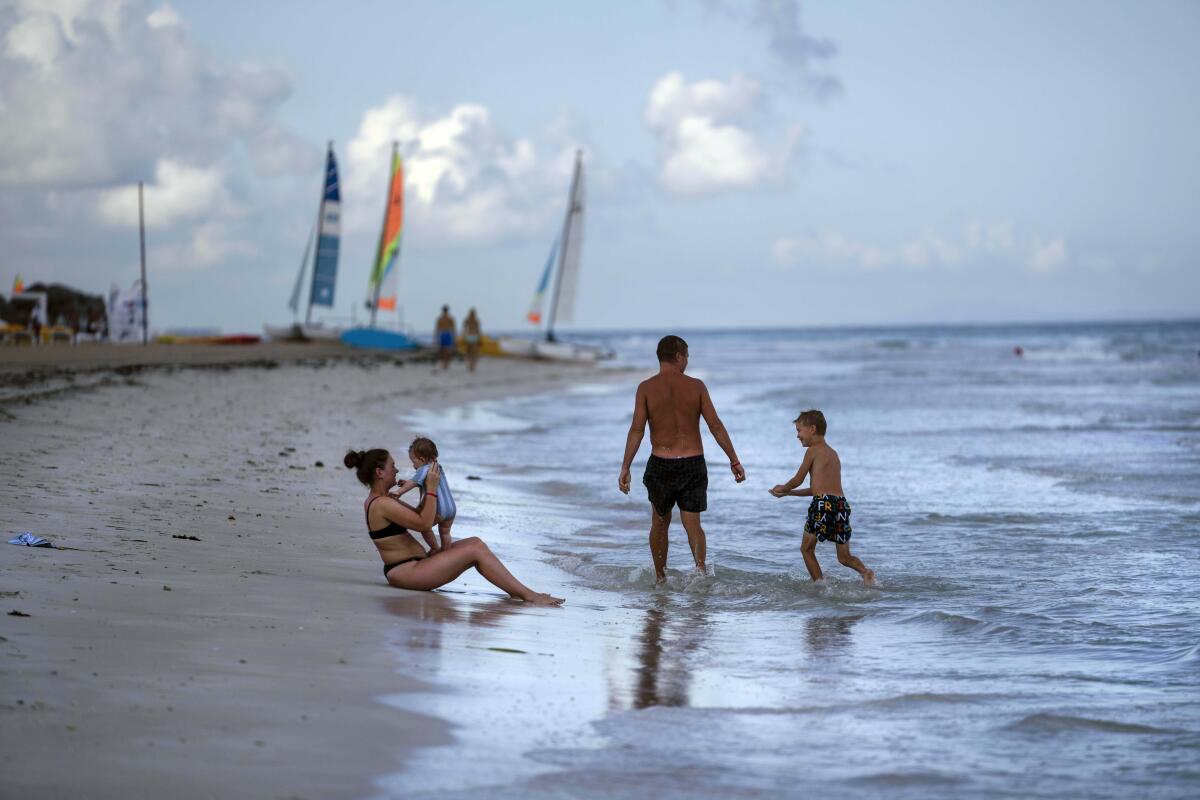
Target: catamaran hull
x,y
515,346
567,351
552,351
303,333
375,339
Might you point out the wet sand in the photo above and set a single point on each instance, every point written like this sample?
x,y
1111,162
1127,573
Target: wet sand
x,y
214,622
31,373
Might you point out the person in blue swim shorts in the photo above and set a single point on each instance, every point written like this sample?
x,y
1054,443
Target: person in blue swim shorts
x,y
445,337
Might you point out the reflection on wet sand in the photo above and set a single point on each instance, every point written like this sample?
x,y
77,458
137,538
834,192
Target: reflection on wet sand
x,y
440,608
445,607
829,636
662,676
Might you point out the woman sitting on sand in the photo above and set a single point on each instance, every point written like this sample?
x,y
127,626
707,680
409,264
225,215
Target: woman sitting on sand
x,y
405,564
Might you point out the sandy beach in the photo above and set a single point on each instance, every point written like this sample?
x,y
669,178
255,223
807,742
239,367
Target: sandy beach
x,y
212,622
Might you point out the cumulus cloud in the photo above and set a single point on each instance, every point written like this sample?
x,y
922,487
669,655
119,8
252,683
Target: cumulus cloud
x,y
179,192
192,221
96,95
706,135
165,17
716,136
204,245
978,241
97,92
466,181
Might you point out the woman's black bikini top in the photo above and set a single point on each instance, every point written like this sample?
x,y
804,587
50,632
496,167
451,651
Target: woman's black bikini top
x,y
392,528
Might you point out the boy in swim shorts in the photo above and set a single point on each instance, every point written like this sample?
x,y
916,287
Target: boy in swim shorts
x,y
829,512
423,453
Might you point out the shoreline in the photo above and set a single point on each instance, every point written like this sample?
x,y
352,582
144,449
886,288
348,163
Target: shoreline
x,y
152,658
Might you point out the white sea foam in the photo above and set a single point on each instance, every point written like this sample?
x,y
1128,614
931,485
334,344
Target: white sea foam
x,y
481,417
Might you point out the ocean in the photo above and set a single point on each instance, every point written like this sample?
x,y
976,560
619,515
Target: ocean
x,y
1033,521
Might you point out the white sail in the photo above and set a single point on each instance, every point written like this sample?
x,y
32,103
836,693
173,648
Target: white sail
x,y
294,303
568,273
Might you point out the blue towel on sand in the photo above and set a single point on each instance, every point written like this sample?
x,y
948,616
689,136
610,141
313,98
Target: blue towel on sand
x,y
445,501
29,540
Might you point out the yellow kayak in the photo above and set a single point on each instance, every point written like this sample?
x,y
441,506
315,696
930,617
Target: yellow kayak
x,y
487,346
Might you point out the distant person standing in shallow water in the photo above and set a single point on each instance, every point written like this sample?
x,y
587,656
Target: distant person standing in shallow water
x,y
444,336
676,473
829,512
472,338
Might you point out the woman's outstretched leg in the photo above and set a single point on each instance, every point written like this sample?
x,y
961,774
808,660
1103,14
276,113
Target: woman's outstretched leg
x,y
493,569
445,566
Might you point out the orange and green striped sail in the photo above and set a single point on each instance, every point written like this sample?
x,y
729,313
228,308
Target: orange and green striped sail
x,y
381,289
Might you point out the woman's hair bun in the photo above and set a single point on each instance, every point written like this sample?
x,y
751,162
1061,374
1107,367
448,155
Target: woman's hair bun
x,y
366,463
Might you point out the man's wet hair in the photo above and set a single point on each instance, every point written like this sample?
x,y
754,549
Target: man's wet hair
x,y
671,346
812,417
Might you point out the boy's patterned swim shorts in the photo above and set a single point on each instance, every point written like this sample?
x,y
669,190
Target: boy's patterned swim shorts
x,y
829,519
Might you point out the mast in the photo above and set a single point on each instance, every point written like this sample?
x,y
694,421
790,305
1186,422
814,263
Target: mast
x,y
145,292
312,288
294,302
387,208
565,242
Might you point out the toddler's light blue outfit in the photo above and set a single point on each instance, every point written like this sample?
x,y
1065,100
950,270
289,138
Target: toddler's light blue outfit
x,y
445,500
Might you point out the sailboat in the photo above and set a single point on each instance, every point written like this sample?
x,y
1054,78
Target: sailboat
x,y
381,286
327,234
561,271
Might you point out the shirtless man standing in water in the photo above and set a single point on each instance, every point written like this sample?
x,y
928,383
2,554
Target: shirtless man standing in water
x,y
444,333
676,473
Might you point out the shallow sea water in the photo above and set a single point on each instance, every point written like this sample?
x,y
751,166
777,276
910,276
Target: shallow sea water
x,y
1033,522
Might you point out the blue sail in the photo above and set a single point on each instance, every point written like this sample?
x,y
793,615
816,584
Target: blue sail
x,y
329,237
534,314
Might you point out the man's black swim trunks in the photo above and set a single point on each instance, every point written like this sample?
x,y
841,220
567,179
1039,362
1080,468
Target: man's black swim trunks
x,y
829,519
677,481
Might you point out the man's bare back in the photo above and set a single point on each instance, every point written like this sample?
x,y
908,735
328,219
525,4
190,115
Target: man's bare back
x,y
673,405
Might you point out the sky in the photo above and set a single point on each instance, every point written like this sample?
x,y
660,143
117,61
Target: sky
x,y
757,163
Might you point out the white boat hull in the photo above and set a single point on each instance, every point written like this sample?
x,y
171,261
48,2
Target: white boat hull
x,y
515,346
551,351
314,332
563,351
